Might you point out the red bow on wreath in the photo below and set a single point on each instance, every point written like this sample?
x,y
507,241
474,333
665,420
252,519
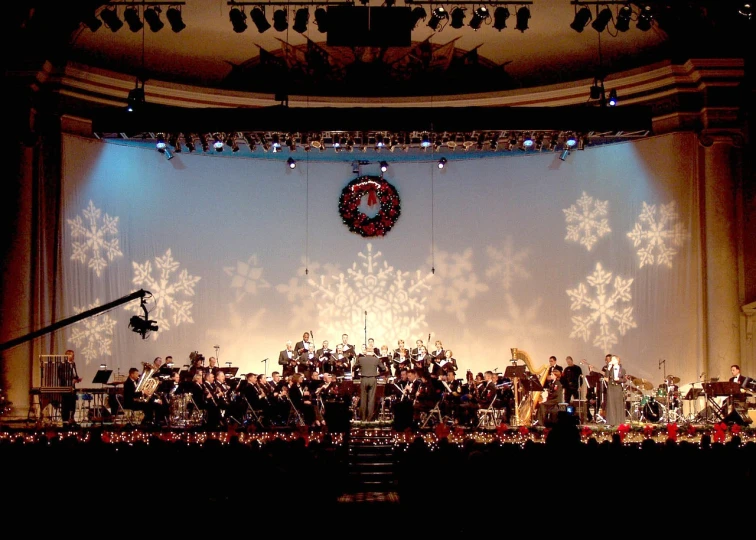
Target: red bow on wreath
x,y
623,429
720,431
370,190
672,432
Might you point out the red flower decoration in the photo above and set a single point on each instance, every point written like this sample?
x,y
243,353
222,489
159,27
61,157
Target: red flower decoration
x,y
378,191
524,431
442,431
720,431
672,432
623,429
648,430
735,429
502,428
586,431
691,430
459,431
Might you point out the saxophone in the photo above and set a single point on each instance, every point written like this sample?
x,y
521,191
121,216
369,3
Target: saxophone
x,y
529,402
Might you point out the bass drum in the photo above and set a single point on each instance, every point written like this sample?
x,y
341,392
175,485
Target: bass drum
x,y
653,411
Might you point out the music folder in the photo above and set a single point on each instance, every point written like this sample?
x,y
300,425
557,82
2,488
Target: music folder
x,y
515,371
102,376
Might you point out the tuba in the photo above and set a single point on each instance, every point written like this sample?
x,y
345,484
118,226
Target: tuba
x,y
147,384
529,402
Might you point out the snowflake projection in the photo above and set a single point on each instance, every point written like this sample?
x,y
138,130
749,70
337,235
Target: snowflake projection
x,y
239,333
94,333
394,299
168,309
454,283
520,326
602,308
588,226
299,292
507,263
94,239
663,234
246,277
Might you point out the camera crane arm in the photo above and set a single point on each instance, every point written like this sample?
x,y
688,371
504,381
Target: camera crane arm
x,y
141,293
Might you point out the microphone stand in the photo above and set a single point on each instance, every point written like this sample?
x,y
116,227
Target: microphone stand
x,y
666,386
266,367
365,342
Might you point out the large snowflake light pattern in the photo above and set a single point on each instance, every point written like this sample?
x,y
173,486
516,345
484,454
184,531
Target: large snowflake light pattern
x,y
95,333
454,283
663,234
94,238
164,292
393,299
246,277
507,263
521,325
603,309
589,225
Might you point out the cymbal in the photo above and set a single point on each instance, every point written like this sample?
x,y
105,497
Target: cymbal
x,y
643,383
673,380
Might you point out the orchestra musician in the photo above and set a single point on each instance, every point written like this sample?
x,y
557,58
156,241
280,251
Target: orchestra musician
x,y
288,359
132,398
303,401
452,396
68,376
401,360
428,394
212,406
166,391
549,407
370,367
403,407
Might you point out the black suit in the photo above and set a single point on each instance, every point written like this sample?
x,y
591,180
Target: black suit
x,y
370,367
287,359
130,400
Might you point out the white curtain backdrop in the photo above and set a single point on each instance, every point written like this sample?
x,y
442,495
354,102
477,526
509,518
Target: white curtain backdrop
x,y
595,254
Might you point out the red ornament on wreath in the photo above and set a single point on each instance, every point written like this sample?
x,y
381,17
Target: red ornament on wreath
x,y
379,192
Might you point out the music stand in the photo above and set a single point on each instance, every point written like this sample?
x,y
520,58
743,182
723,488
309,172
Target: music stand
x,y
515,372
102,376
593,379
693,394
532,384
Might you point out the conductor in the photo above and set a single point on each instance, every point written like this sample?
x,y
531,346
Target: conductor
x,y
370,366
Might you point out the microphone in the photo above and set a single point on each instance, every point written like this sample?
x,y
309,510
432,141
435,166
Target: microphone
x,y
261,361
366,314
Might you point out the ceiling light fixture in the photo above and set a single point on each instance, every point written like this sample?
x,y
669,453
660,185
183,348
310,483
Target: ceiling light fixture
x,y
218,144
418,14
523,14
152,16
501,14
92,22
174,19
602,19
457,18
622,23
301,17
384,166
442,163
292,163
238,20
613,97
439,14
581,20
258,17
131,16
321,20
280,20
645,18
135,99
479,15
111,19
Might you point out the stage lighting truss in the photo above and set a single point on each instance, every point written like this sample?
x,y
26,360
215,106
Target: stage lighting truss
x,y
280,143
618,12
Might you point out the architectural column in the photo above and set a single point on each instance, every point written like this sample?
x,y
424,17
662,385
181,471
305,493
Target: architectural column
x,y
718,189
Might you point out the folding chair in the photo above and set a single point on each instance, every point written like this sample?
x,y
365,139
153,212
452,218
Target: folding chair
x,y
126,416
489,417
434,416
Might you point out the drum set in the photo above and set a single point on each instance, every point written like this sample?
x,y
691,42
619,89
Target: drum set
x,y
646,404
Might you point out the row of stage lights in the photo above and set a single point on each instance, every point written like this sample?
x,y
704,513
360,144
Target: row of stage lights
x,y
150,14
523,141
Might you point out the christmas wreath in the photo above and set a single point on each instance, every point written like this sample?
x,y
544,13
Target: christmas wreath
x,y
378,191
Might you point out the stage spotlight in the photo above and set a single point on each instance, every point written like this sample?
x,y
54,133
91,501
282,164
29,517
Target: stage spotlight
x,y
238,20
301,17
131,16
439,14
622,24
417,15
571,141
501,14
523,14
479,15
602,19
564,154
174,19
135,99
457,18
292,163
321,20
425,141
258,17
527,141
384,166
613,97
582,17
111,20
152,16
92,22
746,10
645,18
218,144
160,144
280,20
442,163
